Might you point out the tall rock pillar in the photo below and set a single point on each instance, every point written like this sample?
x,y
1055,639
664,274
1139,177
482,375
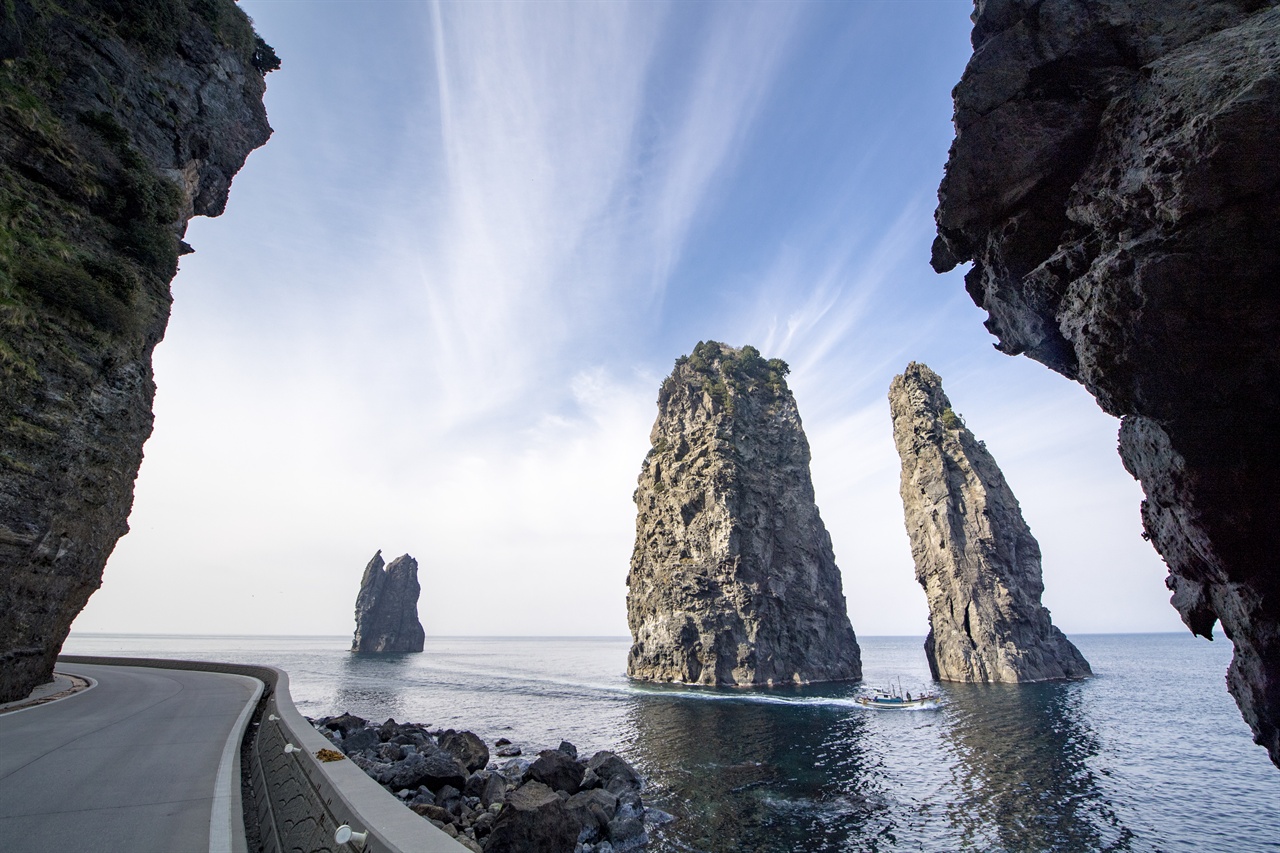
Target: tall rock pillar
x,y
733,580
387,607
974,554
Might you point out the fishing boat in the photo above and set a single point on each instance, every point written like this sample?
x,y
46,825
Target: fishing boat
x,y
893,699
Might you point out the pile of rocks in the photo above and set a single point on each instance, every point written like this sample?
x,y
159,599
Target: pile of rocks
x,y
556,802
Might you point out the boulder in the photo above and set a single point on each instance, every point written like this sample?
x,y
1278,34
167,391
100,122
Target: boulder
x,y
435,770
483,824
533,819
593,810
443,769
616,775
449,798
432,812
378,770
359,740
557,770
466,747
626,829
345,723
495,789
476,782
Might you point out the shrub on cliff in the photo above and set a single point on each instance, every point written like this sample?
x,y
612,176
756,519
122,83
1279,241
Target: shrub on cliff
x,y
725,373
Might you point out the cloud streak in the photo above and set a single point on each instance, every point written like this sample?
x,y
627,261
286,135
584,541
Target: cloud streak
x,y
574,172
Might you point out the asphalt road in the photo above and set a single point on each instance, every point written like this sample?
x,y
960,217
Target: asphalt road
x,y
142,761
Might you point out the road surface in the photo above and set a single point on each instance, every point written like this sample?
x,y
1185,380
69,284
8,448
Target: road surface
x,y
140,762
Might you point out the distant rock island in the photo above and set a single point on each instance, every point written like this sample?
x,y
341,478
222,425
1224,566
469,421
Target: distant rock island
x,y
120,122
733,580
974,554
387,607
1114,181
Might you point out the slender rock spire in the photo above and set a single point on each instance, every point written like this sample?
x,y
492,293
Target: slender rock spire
x,y
974,554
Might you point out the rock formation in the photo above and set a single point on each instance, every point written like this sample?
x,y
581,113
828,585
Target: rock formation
x,y
119,121
732,578
1114,181
387,607
974,554
555,804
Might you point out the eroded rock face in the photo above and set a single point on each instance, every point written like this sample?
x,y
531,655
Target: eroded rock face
x,y
387,607
974,554
117,124
732,579
1115,183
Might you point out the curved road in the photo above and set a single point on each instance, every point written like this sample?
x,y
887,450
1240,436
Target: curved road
x,y
142,761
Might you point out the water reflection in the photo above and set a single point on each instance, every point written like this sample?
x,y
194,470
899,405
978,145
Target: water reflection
x,y
1022,776
757,772
372,685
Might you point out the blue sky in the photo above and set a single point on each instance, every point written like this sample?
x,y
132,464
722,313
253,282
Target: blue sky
x,y
436,313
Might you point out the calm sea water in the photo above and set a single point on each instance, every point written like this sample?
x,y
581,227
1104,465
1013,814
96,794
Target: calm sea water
x,y
1150,755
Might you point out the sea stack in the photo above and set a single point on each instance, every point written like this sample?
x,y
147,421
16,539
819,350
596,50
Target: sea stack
x,y
974,554
387,607
733,580
120,122
1114,182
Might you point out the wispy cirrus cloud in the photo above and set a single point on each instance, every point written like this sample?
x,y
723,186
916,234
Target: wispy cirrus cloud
x,y
732,75
573,169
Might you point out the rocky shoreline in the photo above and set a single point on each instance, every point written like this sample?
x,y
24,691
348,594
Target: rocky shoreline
x,y
555,802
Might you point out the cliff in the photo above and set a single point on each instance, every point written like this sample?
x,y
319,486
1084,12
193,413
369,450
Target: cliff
x,y
118,123
387,607
974,554
1115,183
733,580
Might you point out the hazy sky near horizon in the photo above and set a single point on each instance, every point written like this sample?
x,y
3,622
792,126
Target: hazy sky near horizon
x,y
436,313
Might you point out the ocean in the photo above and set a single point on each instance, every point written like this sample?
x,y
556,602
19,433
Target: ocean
x,y
1149,755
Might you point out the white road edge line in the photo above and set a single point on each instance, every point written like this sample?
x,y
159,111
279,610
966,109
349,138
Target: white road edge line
x,y
221,828
93,682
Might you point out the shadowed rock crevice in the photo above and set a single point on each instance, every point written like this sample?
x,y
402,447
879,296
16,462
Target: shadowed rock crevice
x,y
732,579
118,123
1152,279
974,554
387,607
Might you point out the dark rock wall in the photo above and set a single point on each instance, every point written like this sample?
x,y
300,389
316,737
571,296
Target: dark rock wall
x,y
1114,180
973,551
118,122
732,579
387,607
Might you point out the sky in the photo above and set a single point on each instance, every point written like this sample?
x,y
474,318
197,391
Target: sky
x,y
435,315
